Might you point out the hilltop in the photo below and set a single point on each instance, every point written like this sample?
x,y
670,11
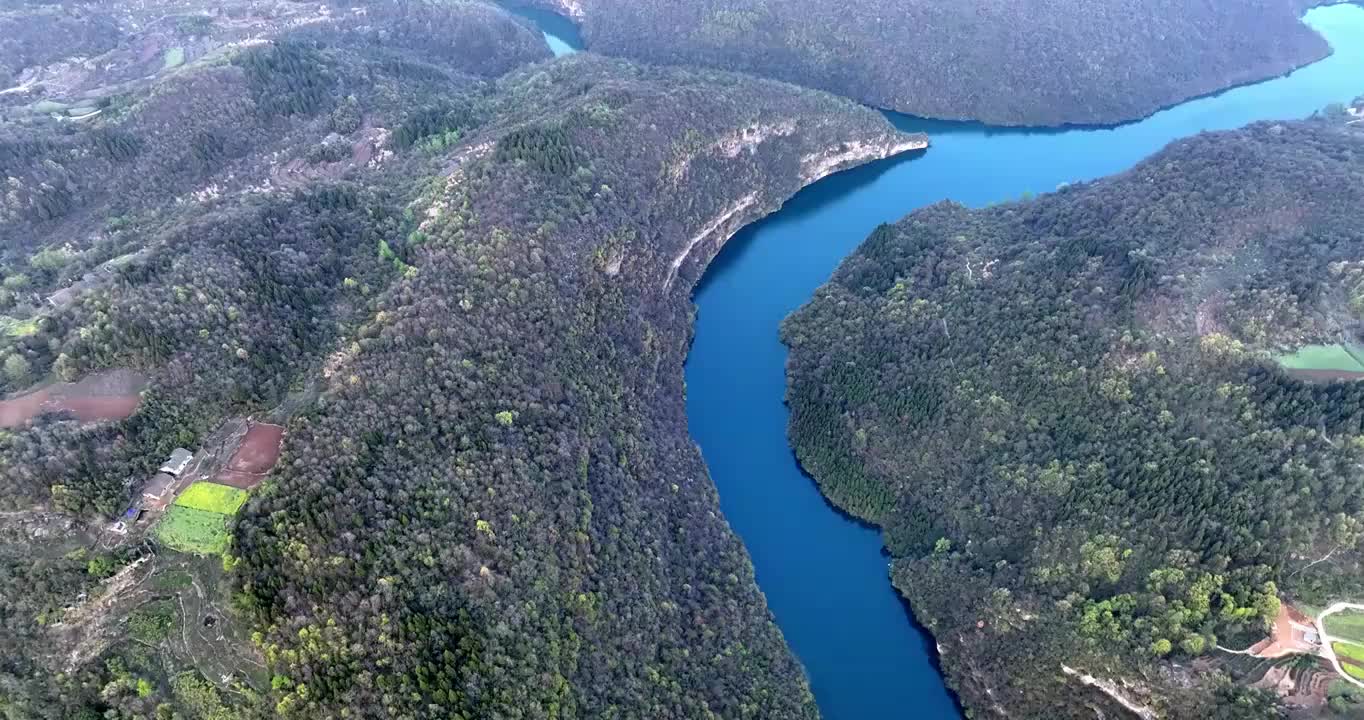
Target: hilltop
x,y
1070,419
1001,63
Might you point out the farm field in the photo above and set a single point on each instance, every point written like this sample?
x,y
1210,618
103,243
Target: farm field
x,y
1321,357
193,531
1346,625
1351,658
212,497
108,395
254,458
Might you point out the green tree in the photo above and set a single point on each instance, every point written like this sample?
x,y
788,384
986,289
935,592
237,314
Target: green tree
x,y
17,368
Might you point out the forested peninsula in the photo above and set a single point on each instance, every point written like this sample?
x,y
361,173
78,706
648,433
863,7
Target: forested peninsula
x,y
1011,63
1066,416
454,278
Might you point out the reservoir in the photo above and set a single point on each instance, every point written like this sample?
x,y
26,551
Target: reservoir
x,y
561,35
824,575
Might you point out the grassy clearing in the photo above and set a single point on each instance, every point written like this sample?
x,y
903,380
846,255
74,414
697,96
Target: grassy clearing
x,y
175,57
152,622
172,580
49,106
1321,357
17,328
193,531
1347,625
212,497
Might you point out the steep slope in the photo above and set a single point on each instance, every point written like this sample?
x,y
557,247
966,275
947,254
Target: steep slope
x,y
1064,414
501,461
465,297
1003,63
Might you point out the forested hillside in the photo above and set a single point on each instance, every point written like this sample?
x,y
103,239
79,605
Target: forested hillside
x,y
40,34
501,460
459,279
1003,63
1065,415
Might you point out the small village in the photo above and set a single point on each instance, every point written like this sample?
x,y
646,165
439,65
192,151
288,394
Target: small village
x,y
188,503
185,507
1308,650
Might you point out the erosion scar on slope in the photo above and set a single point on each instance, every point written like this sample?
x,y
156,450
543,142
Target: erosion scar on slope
x,y
1110,688
744,203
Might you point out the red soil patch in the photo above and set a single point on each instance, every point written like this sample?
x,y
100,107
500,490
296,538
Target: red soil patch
x,y
111,395
20,410
259,450
1296,615
254,458
239,480
1349,661
110,408
1289,635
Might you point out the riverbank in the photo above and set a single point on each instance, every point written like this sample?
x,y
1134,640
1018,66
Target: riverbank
x,y
825,574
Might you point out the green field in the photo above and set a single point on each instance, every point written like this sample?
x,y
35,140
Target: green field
x,y
212,497
193,531
1309,610
152,622
1353,652
175,57
49,106
1321,357
17,328
1346,625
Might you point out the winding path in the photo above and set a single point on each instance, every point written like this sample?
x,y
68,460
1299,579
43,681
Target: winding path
x,y
1329,652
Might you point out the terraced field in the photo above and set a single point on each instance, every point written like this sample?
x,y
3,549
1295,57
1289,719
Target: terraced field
x,y
1351,658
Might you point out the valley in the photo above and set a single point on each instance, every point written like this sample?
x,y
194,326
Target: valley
x,y
398,359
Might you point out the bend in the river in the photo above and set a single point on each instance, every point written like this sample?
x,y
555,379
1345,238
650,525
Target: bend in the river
x,y
825,575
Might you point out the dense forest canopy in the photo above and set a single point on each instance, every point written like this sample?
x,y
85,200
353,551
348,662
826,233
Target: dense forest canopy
x,y
1004,63
1065,416
457,276
451,276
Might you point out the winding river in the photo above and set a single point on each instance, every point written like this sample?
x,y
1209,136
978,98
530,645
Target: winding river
x,y
825,575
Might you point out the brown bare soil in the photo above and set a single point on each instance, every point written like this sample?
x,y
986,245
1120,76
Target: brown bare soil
x,y
254,458
1288,636
111,395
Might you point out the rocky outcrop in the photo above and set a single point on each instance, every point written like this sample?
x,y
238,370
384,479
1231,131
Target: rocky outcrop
x,y
813,168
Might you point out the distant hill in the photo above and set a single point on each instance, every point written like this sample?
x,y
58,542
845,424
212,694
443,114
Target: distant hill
x,y
1003,63
1066,415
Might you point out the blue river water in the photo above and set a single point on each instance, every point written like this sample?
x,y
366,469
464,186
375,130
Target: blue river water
x,y
824,574
561,35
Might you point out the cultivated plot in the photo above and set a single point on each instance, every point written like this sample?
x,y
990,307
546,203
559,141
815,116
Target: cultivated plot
x,y
190,530
213,497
